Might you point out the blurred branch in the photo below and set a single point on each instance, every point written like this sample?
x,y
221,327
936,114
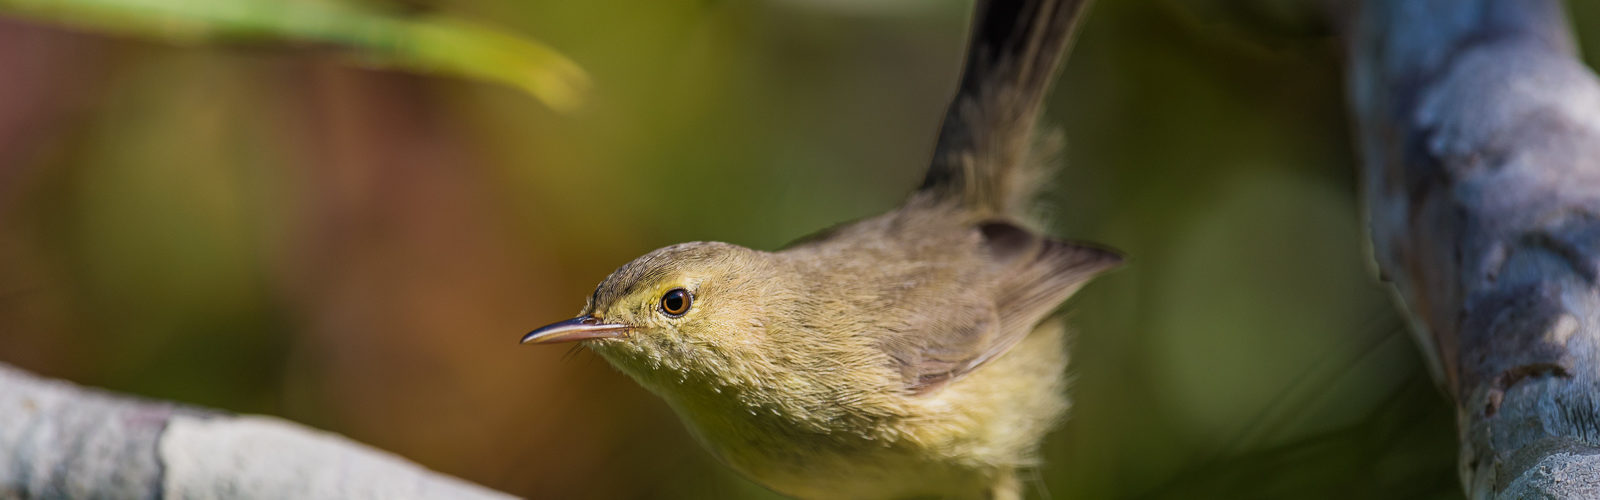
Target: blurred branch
x,y
1481,155
58,440
425,43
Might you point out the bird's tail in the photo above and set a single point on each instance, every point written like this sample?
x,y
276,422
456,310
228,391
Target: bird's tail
x,y
988,158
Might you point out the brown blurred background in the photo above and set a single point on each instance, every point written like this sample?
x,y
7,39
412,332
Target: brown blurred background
x,y
279,231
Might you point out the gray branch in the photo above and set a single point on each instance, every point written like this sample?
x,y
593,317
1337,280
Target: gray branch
x,y
58,440
1480,139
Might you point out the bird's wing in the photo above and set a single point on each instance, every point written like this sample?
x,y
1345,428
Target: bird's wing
x,y
1020,278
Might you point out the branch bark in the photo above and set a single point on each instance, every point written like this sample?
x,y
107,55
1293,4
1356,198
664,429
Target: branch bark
x,y
58,440
1480,139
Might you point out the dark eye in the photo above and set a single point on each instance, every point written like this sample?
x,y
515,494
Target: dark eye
x,y
675,302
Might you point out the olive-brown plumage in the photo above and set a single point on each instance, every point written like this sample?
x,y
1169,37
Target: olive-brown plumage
x,y
904,355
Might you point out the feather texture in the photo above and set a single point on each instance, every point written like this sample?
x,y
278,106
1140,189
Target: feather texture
x,y
880,358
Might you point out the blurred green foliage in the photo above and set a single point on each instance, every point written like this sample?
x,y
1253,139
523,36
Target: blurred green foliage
x,y
273,231
421,42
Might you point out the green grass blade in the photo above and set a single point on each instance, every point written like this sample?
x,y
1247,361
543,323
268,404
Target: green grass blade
x,y
427,43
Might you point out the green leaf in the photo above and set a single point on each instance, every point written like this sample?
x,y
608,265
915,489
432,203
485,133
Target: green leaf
x,y
430,43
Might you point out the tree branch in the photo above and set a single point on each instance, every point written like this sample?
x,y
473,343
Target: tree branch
x,y
1480,138
58,440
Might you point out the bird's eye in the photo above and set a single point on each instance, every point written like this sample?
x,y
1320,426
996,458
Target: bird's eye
x,y
675,302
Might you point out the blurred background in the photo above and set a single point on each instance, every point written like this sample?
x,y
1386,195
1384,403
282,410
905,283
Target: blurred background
x,y
279,228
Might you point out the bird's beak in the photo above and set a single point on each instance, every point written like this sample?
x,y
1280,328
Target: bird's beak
x,y
575,329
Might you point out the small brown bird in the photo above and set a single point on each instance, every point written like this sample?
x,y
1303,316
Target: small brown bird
x,y
904,355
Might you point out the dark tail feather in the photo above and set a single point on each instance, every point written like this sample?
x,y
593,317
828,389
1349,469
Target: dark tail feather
x,y
987,158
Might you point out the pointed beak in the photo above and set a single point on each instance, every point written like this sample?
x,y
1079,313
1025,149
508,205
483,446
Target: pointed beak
x,y
575,329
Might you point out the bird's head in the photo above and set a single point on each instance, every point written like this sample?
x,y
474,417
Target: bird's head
x,y
687,310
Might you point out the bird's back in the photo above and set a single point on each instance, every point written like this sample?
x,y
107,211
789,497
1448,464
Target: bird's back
x,y
944,295
947,287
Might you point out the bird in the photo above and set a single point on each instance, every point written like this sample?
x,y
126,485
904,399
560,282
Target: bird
x,y
910,354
